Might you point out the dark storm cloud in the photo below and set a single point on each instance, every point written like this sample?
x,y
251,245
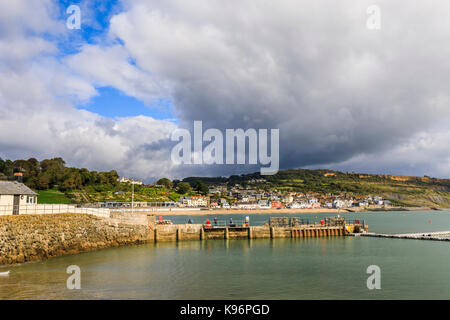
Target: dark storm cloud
x,y
334,88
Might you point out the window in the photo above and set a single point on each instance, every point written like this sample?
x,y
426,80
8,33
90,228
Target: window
x,y
31,199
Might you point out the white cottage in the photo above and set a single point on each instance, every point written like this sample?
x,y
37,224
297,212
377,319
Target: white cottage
x,y
14,194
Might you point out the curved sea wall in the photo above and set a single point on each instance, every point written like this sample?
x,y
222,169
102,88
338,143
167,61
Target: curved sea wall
x,y
34,237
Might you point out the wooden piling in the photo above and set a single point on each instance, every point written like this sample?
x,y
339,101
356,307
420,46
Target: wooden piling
x,y
202,234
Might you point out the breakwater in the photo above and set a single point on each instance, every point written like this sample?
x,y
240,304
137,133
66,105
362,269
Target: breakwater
x,y
26,238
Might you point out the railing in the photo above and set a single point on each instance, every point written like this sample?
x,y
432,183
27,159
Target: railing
x,y
327,222
137,204
166,209
225,223
356,221
287,222
50,209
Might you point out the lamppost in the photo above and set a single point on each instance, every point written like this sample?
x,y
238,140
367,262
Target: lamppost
x,y
132,197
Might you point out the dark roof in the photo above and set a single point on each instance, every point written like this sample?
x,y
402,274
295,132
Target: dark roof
x,y
15,188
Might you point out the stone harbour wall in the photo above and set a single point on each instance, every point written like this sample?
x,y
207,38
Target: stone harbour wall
x,y
34,237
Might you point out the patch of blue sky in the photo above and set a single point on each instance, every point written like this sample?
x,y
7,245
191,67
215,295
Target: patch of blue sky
x,y
113,103
95,19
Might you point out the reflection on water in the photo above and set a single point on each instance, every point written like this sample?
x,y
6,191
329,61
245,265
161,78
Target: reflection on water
x,y
333,268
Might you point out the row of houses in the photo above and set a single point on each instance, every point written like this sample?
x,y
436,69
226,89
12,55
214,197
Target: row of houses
x,y
194,201
244,197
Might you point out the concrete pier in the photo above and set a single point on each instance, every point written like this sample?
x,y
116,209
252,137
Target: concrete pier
x,y
184,232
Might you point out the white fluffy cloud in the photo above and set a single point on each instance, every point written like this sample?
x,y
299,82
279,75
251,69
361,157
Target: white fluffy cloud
x,y
110,66
38,117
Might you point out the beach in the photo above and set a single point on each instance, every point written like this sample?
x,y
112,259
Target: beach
x,y
201,212
243,211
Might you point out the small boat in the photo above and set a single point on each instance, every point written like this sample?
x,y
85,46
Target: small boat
x,y
4,274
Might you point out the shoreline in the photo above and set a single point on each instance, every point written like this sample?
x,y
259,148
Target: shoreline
x,y
278,211
242,211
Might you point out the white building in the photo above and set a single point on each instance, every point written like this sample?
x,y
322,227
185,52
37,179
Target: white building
x,y
247,206
299,205
338,203
329,205
194,201
199,201
14,194
186,201
363,203
132,181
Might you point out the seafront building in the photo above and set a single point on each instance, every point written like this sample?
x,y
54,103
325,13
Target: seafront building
x,y
132,181
14,194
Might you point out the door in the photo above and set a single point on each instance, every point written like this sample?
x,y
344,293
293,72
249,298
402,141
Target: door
x,y
16,204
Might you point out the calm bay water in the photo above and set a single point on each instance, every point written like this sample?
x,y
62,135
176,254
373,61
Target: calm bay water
x,y
324,268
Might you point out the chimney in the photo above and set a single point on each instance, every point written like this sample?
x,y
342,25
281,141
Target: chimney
x,y
18,176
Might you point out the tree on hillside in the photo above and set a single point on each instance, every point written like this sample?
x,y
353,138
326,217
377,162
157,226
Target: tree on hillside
x,y
165,182
50,173
7,168
2,165
183,187
73,181
201,187
43,182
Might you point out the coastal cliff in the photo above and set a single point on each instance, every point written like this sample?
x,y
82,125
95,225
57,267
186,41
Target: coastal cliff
x,y
26,238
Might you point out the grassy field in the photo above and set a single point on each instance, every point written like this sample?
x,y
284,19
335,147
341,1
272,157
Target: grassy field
x,y
52,196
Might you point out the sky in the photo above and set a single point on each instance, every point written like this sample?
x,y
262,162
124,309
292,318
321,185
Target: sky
x,y
110,94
